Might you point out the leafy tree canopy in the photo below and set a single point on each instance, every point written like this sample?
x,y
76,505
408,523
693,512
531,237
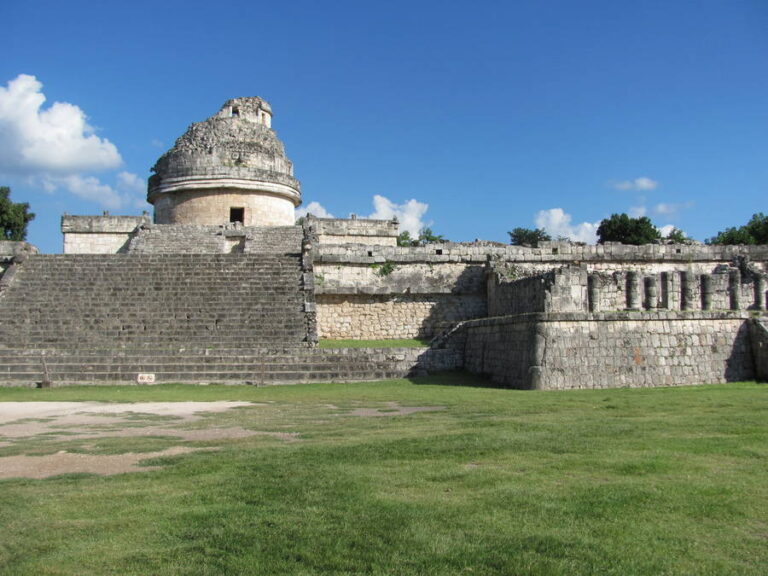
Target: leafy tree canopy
x,y
753,232
627,230
528,236
14,217
677,236
426,236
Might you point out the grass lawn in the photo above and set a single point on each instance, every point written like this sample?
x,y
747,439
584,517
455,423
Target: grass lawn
x,y
396,343
651,481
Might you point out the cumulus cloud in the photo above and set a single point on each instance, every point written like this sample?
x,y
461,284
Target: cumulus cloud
x,y
314,208
128,191
558,224
638,184
53,140
90,188
665,230
410,214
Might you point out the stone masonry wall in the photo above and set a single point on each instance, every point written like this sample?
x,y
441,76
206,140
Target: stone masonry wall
x,y
573,289
212,206
609,350
502,349
407,300
353,231
759,336
104,234
375,317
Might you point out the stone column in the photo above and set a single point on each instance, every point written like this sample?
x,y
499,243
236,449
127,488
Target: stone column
x,y
734,289
651,293
593,292
686,291
706,292
633,291
665,291
760,292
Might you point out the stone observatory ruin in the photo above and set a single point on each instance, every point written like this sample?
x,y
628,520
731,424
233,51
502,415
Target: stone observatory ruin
x,y
228,168
222,285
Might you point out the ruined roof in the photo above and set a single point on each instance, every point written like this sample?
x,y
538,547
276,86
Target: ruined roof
x,y
235,144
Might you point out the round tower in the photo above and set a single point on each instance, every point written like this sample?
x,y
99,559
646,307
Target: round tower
x,y
229,168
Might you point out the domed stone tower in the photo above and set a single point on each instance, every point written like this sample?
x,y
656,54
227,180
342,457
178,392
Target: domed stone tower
x,y
229,168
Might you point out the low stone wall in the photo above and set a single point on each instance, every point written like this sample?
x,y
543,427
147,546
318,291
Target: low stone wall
x,y
353,231
375,317
609,350
606,257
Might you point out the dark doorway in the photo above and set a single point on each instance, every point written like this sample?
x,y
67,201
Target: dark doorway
x,y
237,215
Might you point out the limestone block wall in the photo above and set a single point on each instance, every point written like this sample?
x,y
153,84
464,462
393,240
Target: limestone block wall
x,y
375,317
353,231
502,348
645,350
104,234
759,337
212,207
405,300
609,350
609,257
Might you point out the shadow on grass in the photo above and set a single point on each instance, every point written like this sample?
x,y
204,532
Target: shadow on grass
x,y
456,378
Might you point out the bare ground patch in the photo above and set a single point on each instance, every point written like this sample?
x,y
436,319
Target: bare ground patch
x,y
24,466
77,421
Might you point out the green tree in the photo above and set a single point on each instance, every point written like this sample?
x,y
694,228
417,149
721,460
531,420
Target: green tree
x,y
405,239
14,217
753,232
677,236
426,236
528,236
627,230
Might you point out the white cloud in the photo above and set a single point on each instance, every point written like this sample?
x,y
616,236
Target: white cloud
x,y
55,141
131,183
665,230
128,191
666,209
637,211
90,188
638,184
558,224
314,208
410,214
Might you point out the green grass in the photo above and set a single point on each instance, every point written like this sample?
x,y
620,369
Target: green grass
x,y
651,481
395,343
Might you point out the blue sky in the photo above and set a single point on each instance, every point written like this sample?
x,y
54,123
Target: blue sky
x,y
493,114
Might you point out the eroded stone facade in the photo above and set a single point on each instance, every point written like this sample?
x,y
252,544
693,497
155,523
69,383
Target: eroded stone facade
x,y
228,168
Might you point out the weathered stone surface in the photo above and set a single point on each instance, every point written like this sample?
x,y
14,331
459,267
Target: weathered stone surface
x,y
232,160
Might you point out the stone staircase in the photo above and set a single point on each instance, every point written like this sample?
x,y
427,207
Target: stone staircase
x,y
260,366
229,318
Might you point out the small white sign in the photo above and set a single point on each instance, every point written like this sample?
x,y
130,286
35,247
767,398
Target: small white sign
x,y
145,379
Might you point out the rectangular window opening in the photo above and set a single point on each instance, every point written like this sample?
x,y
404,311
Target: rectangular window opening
x,y
237,215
